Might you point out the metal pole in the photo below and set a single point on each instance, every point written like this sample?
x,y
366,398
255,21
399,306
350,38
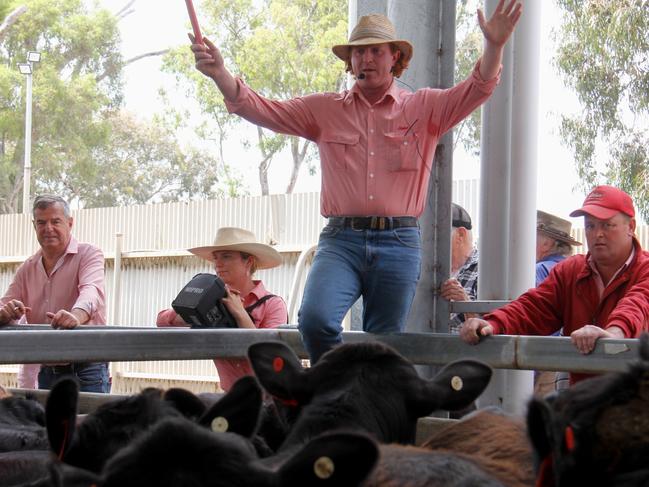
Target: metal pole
x,y
27,167
117,279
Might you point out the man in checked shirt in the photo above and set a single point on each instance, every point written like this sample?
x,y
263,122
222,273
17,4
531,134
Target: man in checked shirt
x,y
376,143
463,284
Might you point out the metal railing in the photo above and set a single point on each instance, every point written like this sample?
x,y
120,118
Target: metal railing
x,y
41,344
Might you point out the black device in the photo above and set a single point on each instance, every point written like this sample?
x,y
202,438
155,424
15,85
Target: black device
x,y
199,303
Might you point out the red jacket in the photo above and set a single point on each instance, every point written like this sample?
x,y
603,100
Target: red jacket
x,y
568,298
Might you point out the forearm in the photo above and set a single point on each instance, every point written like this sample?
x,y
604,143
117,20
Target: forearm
x,y
226,84
491,60
243,319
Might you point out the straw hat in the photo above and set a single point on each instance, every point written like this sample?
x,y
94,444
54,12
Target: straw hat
x,y
240,240
555,227
373,29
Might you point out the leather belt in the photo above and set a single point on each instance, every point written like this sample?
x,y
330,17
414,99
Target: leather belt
x,y
69,368
373,222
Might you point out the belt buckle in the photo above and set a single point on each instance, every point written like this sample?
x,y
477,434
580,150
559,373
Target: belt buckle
x,y
378,222
352,220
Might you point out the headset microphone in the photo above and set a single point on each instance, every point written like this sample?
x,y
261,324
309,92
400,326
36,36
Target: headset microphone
x,y
361,76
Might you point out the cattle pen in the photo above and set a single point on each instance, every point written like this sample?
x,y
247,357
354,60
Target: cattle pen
x,y
41,344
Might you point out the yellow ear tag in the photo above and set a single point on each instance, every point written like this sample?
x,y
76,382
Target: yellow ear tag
x,y
323,467
456,383
220,424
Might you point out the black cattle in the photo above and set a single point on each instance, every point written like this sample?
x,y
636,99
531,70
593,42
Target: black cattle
x,y
22,424
177,452
115,424
595,433
366,386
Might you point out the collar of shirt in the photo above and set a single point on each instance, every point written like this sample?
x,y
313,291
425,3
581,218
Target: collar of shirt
x,y
355,91
72,248
552,258
256,293
599,282
471,260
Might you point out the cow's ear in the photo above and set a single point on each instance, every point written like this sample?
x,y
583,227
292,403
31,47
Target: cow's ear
x,y
279,371
539,427
61,415
331,459
456,386
237,411
188,403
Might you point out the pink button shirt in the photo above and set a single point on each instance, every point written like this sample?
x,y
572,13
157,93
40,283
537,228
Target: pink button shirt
x,y
77,281
375,159
269,314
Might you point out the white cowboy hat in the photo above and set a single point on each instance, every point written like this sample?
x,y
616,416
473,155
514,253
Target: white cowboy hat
x,y
240,240
373,29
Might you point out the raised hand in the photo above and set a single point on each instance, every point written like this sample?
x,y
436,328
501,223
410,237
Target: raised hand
x,y
209,60
500,26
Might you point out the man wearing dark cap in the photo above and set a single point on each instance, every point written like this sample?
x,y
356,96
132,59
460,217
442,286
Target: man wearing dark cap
x,y
463,284
604,294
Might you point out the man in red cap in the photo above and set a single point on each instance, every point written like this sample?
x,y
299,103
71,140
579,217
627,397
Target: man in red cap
x,y
604,294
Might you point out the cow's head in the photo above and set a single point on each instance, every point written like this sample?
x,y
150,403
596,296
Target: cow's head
x,y
366,386
595,432
178,452
117,423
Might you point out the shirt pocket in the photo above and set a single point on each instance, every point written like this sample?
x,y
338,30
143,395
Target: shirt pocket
x,y
339,147
402,151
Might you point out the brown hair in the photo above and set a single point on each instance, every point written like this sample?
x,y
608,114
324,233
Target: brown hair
x,y
397,70
253,268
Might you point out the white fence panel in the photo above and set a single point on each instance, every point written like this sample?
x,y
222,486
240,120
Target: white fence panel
x,y
155,266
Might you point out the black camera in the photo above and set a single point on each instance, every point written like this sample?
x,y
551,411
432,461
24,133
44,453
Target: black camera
x,y
199,303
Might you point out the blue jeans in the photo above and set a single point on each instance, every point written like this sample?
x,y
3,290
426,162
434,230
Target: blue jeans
x,y
383,266
92,376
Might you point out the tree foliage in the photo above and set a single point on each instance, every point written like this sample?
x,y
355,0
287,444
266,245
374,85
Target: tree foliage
x,y
468,48
604,56
282,48
83,146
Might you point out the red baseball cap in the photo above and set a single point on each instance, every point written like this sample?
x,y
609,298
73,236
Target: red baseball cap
x,y
605,202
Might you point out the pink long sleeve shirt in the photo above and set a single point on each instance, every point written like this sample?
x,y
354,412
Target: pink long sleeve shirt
x,y
77,281
376,159
269,314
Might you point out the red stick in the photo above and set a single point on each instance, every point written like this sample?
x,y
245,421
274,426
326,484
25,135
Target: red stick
x,y
198,38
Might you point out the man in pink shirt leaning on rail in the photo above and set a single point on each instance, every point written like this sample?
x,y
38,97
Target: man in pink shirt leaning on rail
x,y
61,284
376,143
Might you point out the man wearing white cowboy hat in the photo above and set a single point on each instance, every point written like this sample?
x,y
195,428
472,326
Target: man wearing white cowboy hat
x,y
553,243
236,255
376,143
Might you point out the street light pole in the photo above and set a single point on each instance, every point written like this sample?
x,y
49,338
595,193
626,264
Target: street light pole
x,y
27,167
27,69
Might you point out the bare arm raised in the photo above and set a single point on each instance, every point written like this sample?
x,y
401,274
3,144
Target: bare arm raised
x,y
209,61
496,32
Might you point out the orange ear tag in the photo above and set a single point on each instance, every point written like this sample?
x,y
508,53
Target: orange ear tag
x,y
278,364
